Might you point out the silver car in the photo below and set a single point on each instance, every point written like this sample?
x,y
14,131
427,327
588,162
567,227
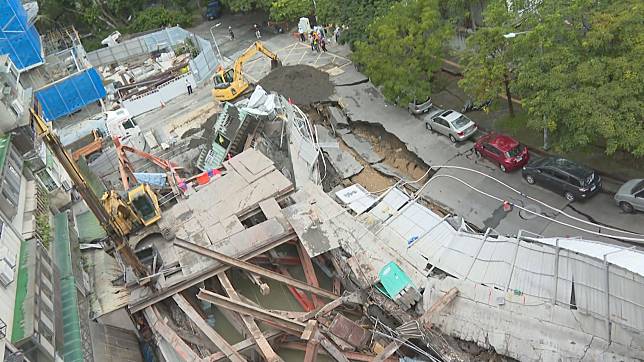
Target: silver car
x,y
416,107
630,196
452,124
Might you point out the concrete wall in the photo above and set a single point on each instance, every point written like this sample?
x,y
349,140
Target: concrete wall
x,y
158,97
527,328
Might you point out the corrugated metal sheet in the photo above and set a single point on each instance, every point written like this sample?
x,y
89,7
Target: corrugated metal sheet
x,y
523,267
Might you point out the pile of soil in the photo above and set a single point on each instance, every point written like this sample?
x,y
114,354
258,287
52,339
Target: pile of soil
x,y
303,84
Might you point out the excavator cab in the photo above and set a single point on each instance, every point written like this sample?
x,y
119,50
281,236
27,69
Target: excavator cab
x,y
145,204
230,83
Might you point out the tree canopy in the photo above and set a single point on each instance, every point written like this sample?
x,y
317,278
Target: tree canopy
x,y
487,60
354,15
587,79
403,49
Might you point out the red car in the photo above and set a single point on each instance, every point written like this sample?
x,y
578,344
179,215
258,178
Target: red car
x,y
503,150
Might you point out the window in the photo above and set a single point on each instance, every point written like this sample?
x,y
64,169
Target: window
x,y
442,122
461,122
560,175
129,124
515,151
492,149
640,195
46,180
228,76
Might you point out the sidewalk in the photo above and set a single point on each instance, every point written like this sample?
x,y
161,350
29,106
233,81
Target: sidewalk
x,y
498,119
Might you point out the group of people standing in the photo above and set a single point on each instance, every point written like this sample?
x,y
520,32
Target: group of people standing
x,y
319,39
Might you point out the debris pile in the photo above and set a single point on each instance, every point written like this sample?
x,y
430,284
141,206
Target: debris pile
x,y
302,84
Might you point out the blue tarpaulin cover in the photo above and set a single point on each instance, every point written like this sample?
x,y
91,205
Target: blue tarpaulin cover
x,y
18,38
71,94
151,178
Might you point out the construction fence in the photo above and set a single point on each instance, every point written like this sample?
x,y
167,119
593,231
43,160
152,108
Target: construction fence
x,y
201,66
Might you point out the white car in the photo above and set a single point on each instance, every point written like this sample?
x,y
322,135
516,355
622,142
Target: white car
x,y
452,124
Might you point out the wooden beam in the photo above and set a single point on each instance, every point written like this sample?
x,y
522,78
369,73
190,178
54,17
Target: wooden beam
x,y
264,347
252,268
352,356
286,324
188,281
438,306
212,335
180,347
242,346
311,352
309,273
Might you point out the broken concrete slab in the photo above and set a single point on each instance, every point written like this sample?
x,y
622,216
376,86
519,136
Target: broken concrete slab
x,y
338,118
362,147
343,162
388,170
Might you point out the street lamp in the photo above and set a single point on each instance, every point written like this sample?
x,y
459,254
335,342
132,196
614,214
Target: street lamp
x,y
513,35
214,40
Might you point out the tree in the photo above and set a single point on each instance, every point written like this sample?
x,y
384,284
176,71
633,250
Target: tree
x,y
354,15
403,49
283,10
586,86
487,61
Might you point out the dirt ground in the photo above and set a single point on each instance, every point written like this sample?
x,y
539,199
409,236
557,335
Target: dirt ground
x,y
302,84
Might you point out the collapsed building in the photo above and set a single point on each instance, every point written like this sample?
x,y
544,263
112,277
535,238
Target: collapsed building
x,y
402,277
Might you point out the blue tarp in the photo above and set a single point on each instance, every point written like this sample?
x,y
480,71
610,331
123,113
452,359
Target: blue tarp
x,y
18,38
151,178
71,94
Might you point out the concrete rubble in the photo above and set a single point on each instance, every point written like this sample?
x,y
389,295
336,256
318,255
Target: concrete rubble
x,y
367,276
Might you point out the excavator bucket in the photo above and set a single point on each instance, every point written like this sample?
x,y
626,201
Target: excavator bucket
x,y
275,63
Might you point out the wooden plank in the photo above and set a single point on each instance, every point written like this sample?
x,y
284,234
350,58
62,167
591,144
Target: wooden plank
x,y
264,347
252,268
288,325
242,346
180,347
212,335
352,356
309,273
188,281
311,353
438,306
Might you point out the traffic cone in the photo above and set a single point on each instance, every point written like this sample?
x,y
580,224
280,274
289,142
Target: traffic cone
x,y
162,104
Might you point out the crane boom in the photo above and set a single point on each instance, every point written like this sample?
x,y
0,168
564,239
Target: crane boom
x,y
114,231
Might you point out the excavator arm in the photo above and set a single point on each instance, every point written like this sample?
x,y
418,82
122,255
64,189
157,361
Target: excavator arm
x,y
116,230
230,83
249,53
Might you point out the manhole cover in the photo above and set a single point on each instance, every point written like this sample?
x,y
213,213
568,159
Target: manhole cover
x,y
527,215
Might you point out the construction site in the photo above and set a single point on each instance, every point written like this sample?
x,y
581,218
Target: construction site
x,y
277,228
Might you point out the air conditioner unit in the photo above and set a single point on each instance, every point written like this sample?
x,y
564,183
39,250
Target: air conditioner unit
x,y
66,185
7,257
17,106
6,274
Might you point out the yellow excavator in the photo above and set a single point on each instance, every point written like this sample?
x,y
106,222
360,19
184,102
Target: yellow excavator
x,y
118,216
230,83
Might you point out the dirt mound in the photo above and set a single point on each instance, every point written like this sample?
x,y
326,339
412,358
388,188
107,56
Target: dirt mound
x,y
303,84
